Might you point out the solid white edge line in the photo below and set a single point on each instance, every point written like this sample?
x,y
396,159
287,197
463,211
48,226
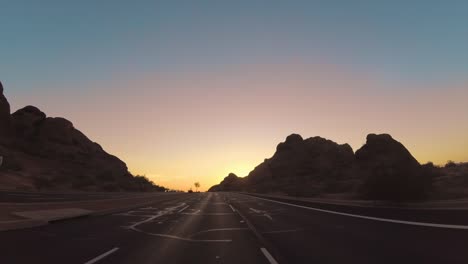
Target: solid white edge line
x,y
96,259
370,217
267,254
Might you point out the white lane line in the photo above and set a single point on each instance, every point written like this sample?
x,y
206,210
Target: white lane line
x,y
98,258
264,213
232,208
267,254
183,238
372,218
202,214
219,230
169,210
256,211
181,210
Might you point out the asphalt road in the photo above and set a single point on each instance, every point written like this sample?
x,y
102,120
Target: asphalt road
x,y
41,197
236,228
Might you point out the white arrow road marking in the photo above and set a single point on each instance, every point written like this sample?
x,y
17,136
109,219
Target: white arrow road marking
x,y
171,210
264,213
159,214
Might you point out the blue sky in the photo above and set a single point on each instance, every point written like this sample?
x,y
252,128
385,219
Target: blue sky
x,y
81,41
193,90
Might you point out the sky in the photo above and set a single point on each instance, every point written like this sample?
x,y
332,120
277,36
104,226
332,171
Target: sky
x,y
187,91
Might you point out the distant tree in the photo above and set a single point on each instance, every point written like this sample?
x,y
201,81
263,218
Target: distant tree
x,y
190,190
450,164
197,185
430,171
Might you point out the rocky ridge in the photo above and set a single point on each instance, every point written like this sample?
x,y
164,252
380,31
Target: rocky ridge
x,y
381,169
41,152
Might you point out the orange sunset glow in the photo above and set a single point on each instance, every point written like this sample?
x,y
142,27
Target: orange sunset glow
x,y
177,128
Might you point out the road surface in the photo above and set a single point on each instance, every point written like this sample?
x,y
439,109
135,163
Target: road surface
x,y
237,228
41,197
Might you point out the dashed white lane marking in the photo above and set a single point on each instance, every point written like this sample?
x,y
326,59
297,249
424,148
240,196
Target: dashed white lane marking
x,y
181,210
232,208
372,218
267,254
98,258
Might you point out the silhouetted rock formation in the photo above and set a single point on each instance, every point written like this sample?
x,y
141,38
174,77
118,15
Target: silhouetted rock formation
x,y
382,169
26,122
230,183
300,167
390,171
5,118
41,152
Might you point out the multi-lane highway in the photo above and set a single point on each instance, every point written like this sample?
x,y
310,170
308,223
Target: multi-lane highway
x,y
237,228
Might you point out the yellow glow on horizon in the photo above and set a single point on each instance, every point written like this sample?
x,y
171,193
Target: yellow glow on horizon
x,y
180,128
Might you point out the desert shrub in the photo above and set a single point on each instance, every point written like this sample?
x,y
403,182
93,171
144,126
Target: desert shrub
x,y
431,171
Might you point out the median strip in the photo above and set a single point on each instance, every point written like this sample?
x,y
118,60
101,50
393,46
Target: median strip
x,y
53,215
23,215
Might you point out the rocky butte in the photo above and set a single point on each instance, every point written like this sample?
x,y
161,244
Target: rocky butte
x,y
41,152
382,169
